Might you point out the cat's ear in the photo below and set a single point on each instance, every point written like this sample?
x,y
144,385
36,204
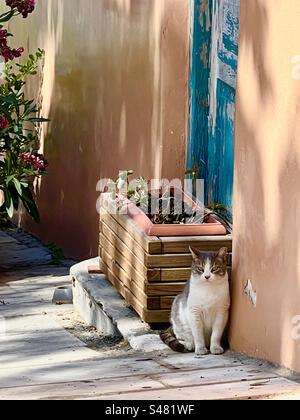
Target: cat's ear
x,y
195,253
222,254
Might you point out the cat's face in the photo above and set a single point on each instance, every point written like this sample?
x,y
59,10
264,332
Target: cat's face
x,y
209,267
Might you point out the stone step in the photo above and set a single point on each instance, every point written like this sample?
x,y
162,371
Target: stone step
x,y
100,305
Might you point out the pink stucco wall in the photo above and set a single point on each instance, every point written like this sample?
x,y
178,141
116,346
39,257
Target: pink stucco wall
x,y
266,247
116,91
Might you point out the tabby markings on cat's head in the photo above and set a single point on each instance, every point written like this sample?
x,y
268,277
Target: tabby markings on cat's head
x,y
209,266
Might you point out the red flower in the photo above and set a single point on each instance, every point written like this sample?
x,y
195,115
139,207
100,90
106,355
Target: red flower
x,y
34,159
23,6
7,52
3,122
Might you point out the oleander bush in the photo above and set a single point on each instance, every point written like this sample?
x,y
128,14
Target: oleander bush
x,y
20,160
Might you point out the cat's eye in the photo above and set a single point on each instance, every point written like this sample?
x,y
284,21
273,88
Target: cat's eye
x,y
200,270
214,269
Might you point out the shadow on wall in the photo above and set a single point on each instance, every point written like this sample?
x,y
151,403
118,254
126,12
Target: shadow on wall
x,y
267,199
107,97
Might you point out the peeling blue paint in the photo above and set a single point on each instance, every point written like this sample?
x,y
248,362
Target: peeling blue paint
x,y
212,89
199,87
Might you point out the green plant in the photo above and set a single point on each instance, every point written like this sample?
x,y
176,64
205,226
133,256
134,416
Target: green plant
x,y
5,221
221,213
20,161
166,206
163,207
57,254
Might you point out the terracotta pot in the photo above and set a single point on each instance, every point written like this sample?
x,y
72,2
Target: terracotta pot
x,y
211,228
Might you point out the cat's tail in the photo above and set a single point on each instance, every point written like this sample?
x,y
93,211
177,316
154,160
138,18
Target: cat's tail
x,y
168,337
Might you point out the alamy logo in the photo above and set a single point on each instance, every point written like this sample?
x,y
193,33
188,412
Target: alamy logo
x,y
2,327
296,327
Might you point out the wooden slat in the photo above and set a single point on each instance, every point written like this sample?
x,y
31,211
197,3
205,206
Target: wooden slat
x,y
150,316
134,248
121,253
168,274
114,270
166,302
94,269
175,274
135,280
127,260
123,274
138,289
168,260
179,245
164,289
151,244
156,317
122,262
153,275
171,260
107,223
123,290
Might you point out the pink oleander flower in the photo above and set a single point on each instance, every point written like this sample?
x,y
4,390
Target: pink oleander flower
x,y
34,159
3,122
23,6
7,52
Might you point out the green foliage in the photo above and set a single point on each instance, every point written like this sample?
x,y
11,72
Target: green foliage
x,y
221,213
166,207
57,254
5,221
20,162
136,191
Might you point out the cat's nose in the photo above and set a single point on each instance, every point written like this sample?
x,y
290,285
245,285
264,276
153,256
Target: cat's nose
x,y
207,276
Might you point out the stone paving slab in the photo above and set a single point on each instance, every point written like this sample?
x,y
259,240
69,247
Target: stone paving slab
x,y
21,250
84,370
31,324
217,391
32,273
159,381
17,294
51,359
6,239
15,257
31,308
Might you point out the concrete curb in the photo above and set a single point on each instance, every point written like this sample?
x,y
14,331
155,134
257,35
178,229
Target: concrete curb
x,y
100,305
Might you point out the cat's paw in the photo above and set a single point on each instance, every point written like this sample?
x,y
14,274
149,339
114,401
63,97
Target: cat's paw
x,y
188,345
216,350
201,351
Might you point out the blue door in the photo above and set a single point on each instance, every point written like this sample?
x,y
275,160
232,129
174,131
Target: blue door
x,y
213,87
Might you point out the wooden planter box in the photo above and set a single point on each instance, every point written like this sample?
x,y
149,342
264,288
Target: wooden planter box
x,y
148,271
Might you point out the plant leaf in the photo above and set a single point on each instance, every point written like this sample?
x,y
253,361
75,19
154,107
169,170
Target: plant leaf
x,y
17,185
29,204
5,17
38,120
9,205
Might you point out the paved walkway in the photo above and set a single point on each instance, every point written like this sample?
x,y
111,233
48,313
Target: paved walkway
x,y
41,358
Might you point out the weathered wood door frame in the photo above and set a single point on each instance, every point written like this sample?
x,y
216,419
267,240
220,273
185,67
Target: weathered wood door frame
x,y
211,64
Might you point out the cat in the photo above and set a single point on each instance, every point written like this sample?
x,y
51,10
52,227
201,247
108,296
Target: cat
x,y
200,314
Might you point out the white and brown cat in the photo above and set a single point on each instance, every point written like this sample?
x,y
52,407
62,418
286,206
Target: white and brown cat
x,y
200,314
